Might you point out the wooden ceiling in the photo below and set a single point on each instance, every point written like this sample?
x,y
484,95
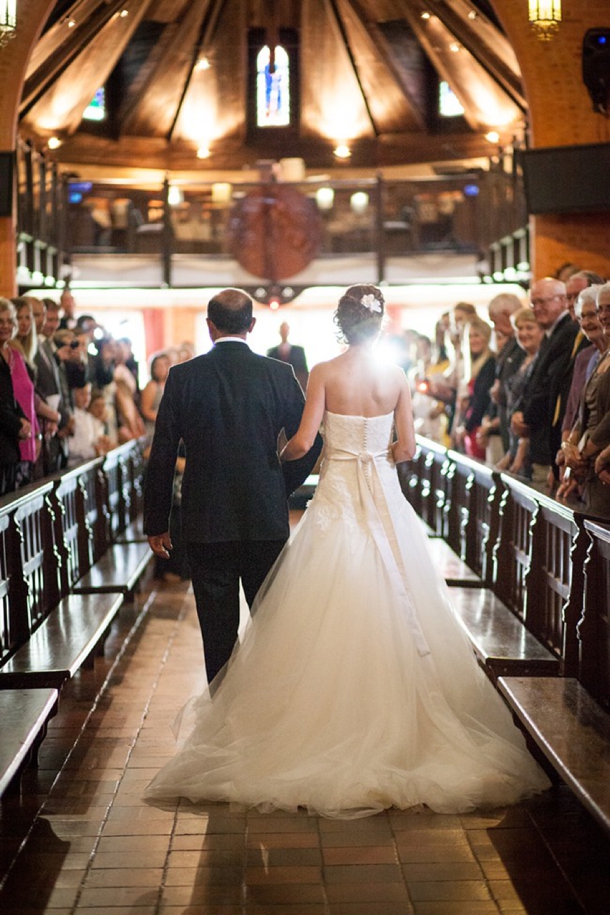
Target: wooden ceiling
x,y
364,72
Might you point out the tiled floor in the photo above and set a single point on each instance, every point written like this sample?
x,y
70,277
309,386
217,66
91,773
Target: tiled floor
x,y
81,840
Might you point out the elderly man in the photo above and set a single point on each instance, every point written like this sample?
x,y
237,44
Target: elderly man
x,y
547,391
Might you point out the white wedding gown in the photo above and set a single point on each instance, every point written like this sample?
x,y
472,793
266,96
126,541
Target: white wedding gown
x,y
355,688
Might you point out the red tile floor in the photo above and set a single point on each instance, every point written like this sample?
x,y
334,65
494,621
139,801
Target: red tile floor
x,y
81,840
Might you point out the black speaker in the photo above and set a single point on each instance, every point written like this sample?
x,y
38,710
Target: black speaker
x,y
7,160
596,68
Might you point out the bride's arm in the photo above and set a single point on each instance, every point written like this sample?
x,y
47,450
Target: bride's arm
x,y
305,436
403,448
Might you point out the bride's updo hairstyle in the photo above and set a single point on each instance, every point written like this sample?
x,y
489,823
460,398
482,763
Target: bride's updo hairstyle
x,y
359,314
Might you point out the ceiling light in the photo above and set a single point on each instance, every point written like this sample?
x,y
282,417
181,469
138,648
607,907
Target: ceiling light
x,y
473,14
493,136
544,17
454,46
342,151
325,197
203,152
203,64
425,14
53,142
8,20
124,13
71,23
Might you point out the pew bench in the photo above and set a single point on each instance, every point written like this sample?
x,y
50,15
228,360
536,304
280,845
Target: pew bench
x,y
501,642
118,570
571,730
24,714
453,569
64,642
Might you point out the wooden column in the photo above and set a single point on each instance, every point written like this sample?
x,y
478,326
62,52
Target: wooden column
x,y
31,16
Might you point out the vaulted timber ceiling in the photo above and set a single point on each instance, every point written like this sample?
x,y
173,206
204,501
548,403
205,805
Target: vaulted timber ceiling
x,y
365,73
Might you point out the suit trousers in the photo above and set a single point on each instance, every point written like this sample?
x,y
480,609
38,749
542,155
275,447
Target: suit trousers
x,y
216,571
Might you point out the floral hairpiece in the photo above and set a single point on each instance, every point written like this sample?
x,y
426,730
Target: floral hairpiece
x,y
371,303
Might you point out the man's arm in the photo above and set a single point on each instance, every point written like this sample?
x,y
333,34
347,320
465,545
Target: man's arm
x,y
297,471
159,478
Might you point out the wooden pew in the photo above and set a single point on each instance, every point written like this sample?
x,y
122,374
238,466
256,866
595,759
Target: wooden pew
x,y
594,625
53,632
424,484
24,714
121,558
571,730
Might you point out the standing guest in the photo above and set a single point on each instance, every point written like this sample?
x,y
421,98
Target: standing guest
x,y
52,318
88,437
65,342
153,392
508,359
591,433
68,307
235,491
14,425
482,363
48,386
546,394
575,285
293,355
591,328
22,376
529,336
130,362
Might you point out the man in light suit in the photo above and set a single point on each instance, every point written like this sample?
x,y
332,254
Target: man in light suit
x,y
293,355
228,407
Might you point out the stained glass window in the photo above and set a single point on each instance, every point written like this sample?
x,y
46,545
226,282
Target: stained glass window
x,y
272,89
448,103
96,109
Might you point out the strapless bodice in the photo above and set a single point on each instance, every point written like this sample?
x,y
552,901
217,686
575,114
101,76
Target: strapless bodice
x,y
357,434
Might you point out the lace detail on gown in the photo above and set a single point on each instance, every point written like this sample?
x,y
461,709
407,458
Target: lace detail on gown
x,y
355,687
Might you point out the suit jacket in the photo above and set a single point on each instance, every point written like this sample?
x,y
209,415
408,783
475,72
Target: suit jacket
x,y
550,380
229,408
296,358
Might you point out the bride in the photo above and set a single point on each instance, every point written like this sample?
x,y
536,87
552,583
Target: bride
x,y
355,688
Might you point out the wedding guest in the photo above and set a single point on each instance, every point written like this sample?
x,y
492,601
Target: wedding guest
x,y
88,438
481,374
590,326
543,405
25,394
14,425
293,355
501,310
591,433
153,392
529,337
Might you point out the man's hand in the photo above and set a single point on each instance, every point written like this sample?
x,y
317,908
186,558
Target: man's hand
x,y
25,430
161,544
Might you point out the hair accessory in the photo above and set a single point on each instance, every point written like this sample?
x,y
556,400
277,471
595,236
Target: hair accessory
x,y
371,303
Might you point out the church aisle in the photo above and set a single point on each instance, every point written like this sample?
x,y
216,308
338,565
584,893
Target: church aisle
x,y
82,842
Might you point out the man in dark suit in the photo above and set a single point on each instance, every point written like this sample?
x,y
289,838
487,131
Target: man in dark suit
x,y
293,355
228,407
547,391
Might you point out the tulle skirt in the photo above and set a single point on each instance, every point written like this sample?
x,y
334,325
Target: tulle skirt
x,y
328,705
